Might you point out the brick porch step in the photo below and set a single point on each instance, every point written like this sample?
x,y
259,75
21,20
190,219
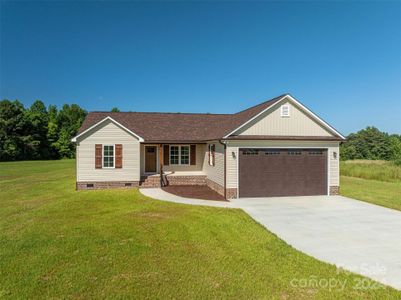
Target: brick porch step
x,y
149,181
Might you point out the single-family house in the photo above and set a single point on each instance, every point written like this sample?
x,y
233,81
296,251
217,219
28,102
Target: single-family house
x,y
276,148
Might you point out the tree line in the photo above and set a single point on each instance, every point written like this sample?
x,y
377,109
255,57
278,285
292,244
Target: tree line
x,y
38,132
371,143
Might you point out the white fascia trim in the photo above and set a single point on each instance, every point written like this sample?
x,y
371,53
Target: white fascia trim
x,y
325,124
74,139
300,105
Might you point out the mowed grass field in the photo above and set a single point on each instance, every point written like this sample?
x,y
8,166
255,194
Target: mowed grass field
x,y
377,182
59,243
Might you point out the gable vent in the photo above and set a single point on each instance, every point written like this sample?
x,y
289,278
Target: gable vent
x,y
285,110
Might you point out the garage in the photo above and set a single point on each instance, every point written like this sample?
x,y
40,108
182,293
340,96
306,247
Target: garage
x,y
282,172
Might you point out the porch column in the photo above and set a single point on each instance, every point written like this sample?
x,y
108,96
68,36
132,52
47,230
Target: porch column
x,y
161,158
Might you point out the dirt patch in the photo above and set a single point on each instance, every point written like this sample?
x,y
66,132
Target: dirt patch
x,y
194,191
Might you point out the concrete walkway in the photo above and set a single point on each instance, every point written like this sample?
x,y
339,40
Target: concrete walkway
x,y
351,234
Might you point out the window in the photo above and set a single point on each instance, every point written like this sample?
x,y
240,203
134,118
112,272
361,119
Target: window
x,y
212,150
174,155
250,152
108,156
179,155
315,152
184,160
294,152
272,152
285,110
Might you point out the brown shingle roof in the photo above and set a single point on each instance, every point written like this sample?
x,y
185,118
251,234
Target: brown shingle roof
x,y
155,126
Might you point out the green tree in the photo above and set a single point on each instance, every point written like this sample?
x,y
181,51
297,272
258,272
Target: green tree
x,y
53,131
368,143
69,120
36,145
12,124
115,109
395,146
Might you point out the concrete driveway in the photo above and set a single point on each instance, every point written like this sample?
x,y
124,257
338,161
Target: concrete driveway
x,y
352,234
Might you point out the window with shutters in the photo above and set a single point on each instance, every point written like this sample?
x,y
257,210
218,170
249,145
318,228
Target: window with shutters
x,y
108,156
179,155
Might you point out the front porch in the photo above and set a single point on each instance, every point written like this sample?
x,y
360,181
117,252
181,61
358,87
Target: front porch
x,y
198,164
172,159
171,178
172,164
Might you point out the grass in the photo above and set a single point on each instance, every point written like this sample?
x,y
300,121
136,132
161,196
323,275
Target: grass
x,y
59,243
371,169
382,193
377,182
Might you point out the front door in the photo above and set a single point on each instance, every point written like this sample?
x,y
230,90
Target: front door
x,y
150,159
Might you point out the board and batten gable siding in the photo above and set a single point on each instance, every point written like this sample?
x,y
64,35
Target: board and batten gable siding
x,y
232,156
107,133
271,123
216,172
198,167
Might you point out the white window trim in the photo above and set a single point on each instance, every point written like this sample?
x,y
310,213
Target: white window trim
x,y
282,111
114,156
179,155
211,161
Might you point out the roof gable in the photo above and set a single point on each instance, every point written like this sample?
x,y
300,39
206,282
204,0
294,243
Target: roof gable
x,y
298,123
302,122
107,119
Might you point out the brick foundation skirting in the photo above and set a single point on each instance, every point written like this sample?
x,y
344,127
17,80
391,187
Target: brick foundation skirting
x,y
215,186
99,185
334,190
231,193
186,180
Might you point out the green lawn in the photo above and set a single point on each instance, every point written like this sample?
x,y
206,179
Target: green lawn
x,y
377,182
59,243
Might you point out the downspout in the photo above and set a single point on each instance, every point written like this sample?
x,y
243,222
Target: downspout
x,y
225,166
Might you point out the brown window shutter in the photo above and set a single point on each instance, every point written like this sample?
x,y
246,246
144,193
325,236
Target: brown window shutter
x,y
166,154
193,154
213,154
119,156
98,156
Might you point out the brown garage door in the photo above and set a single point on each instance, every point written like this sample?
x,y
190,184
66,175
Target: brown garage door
x,y
282,172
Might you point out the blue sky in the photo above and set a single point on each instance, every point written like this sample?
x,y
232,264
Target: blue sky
x,y
341,59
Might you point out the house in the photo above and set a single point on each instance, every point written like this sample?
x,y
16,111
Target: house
x,y
276,148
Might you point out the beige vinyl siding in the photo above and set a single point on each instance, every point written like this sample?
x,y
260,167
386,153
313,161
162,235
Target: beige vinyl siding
x,y
297,124
334,167
107,133
200,155
232,160
216,172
